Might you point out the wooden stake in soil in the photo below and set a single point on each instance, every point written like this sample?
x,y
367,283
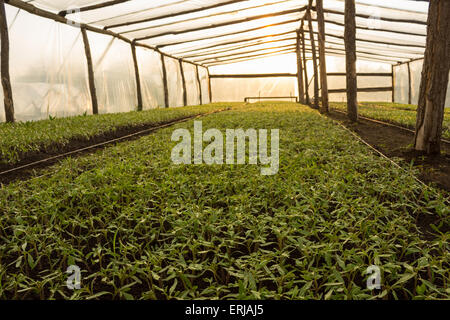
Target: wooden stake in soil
x,y
183,82
393,83
6,80
409,84
165,85
93,91
305,67
199,85
350,54
435,75
323,65
138,78
209,86
301,89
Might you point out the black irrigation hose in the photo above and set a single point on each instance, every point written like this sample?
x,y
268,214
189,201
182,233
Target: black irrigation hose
x,y
95,146
385,123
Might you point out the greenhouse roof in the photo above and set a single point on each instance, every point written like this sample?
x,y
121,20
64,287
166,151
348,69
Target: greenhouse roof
x,y
212,32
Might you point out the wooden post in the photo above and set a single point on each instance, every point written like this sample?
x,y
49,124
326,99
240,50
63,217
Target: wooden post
x,y
323,65
199,85
138,78
209,86
93,91
164,75
409,84
6,80
393,83
350,54
314,57
183,81
301,89
305,67
435,74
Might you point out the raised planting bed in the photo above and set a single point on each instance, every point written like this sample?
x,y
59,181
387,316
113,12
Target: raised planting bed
x,y
35,140
139,226
400,114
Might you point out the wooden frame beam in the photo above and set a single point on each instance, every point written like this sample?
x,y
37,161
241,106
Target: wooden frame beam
x,y
165,84
223,24
173,14
6,80
92,7
323,66
314,54
91,77
138,78
199,83
300,81
350,60
209,86
183,82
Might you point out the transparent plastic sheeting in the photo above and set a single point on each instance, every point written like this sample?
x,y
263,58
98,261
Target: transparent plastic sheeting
x,y
402,85
190,74
49,72
47,68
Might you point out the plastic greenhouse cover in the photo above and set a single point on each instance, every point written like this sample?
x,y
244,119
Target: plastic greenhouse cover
x,y
53,81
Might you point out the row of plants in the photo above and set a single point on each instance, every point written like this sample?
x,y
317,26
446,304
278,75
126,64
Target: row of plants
x,y
140,227
22,138
400,114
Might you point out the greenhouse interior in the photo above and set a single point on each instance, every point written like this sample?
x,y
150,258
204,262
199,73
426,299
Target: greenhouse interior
x,y
125,172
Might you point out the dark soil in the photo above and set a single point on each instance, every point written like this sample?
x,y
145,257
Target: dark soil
x,y
60,150
395,142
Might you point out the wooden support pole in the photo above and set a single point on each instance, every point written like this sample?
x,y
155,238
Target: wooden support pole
x,y
350,54
435,75
93,91
138,78
305,67
6,80
393,83
209,86
301,89
314,55
199,82
165,84
409,84
323,65
183,82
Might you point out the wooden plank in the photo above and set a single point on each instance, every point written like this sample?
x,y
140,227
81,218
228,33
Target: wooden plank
x,y
138,78
256,75
375,89
92,89
323,65
183,82
165,84
199,83
350,60
6,80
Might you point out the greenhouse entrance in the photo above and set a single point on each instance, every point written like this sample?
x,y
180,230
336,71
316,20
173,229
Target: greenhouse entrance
x,y
224,149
